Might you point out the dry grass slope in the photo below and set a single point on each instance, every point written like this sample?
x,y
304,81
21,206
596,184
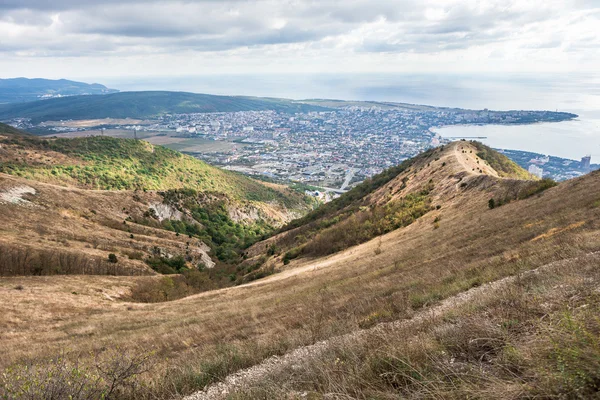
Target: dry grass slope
x,y
203,338
55,223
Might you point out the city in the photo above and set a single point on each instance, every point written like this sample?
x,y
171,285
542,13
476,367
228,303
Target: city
x,y
330,151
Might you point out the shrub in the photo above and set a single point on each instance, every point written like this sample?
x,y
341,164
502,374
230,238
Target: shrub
x,y
272,250
536,187
112,374
166,265
112,258
158,290
199,281
290,255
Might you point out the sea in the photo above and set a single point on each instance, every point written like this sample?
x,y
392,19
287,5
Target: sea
x,y
576,92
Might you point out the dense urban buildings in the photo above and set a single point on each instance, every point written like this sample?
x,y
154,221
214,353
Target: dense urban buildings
x,y
328,150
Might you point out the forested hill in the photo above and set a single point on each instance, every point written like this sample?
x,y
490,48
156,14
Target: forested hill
x,y
144,105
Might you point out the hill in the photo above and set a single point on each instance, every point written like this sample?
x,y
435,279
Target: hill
x,y
106,163
8,130
18,90
144,105
466,299
396,198
129,196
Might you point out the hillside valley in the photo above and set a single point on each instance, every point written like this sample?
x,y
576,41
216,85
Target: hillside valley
x,y
400,244
122,207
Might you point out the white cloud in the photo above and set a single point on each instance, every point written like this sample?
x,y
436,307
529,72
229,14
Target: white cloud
x,y
41,38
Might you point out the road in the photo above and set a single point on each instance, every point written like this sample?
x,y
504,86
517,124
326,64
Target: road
x,y
328,189
349,177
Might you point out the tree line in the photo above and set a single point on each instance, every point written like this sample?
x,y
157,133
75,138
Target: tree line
x,y
24,261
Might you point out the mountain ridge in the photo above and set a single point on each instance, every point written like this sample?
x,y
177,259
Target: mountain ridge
x,y
19,90
497,343
146,104
398,197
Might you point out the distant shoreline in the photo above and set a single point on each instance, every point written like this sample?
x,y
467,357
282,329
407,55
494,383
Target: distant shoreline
x,y
507,124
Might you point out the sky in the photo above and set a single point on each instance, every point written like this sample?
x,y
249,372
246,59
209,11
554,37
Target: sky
x,y
128,38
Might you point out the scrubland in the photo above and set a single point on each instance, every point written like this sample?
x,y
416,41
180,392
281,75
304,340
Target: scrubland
x,y
536,337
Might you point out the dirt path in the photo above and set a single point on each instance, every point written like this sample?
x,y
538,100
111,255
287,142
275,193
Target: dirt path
x,y
469,160
253,375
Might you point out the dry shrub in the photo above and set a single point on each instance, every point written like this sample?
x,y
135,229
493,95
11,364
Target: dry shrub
x,y
538,337
171,287
25,261
166,288
473,340
112,374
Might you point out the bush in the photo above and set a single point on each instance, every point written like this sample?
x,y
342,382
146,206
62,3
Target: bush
x,y
112,374
199,281
159,290
368,223
290,255
169,288
164,265
112,258
536,187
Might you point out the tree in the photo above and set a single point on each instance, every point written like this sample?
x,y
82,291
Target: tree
x,y
491,204
112,258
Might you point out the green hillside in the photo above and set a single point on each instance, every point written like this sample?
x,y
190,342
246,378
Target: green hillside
x,y
144,105
117,164
505,167
9,130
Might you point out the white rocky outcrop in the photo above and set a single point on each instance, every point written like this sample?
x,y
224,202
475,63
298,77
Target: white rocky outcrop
x,y
164,211
15,195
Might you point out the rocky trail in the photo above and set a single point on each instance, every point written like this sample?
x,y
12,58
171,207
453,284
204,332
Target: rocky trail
x,y
251,376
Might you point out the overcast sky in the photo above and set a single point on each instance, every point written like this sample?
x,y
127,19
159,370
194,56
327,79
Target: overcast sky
x,y
76,38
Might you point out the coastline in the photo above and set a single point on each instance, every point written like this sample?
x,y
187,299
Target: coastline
x,y
568,139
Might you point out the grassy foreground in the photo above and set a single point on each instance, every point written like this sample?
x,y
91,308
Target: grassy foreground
x,y
201,339
535,337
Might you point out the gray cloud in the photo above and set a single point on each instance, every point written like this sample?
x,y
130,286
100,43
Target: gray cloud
x,y
105,27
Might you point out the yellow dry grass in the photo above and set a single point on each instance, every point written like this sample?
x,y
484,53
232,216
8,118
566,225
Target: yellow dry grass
x,y
86,222
415,267
554,231
89,123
